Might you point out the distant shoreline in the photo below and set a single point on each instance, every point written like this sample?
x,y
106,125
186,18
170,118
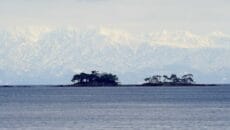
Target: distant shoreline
x,y
141,85
123,85
98,79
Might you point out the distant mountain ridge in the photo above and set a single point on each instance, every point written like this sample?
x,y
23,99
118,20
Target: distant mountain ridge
x,y
52,56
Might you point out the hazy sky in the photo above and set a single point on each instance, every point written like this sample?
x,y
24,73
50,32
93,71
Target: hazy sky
x,y
136,15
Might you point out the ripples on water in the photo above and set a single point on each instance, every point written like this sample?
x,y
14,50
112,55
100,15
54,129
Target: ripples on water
x,y
115,108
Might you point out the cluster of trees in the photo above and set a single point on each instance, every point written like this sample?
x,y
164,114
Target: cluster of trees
x,y
95,79
107,79
172,80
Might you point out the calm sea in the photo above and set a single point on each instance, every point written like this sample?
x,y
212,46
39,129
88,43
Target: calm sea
x,y
105,108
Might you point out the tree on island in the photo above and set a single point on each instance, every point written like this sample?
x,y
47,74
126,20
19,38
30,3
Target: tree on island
x,y
188,78
155,79
172,80
95,79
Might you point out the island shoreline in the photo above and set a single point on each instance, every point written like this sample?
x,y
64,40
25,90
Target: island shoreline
x,y
117,86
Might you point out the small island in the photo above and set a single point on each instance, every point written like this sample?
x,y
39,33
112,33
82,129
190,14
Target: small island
x,y
173,80
97,79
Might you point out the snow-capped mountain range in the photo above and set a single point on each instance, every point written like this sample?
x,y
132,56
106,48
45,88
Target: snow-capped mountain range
x,y
53,55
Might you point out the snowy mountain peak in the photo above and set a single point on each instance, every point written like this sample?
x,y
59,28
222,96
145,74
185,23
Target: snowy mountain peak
x,y
52,55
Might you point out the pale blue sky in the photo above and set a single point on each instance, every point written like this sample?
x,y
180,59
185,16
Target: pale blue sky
x,y
144,15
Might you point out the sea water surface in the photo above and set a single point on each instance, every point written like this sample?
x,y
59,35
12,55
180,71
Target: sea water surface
x,y
111,108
